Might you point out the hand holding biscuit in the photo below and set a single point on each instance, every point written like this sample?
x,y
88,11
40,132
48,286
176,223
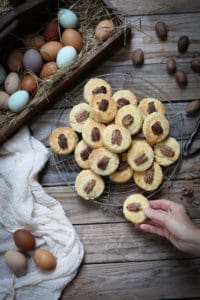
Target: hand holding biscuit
x,y
171,220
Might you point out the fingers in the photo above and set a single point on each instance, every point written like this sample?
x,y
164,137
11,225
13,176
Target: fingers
x,y
161,204
156,215
152,229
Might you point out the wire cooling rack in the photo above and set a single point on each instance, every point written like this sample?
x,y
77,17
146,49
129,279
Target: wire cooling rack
x,y
115,193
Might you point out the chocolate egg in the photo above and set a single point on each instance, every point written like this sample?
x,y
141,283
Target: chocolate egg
x,y
3,100
14,61
51,30
32,60
29,84
34,41
50,49
11,83
24,239
48,69
44,259
16,261
72,37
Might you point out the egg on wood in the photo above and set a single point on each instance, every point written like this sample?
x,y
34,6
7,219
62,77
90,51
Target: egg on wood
x,y
67,18
71,37
51,30
16,261
17,101
44,259
2,74
11,83
32,60
3,100
66,56
50,49
14,61
48,69
29,84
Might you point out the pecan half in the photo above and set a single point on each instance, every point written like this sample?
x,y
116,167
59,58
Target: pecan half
x,y
82,116
123,165
103,105
99,90
167,151
127,120
134,207
151,107
95,135
85,153
62,141
140,159
149,175
116,137
103,163
122,102
157,128
89,186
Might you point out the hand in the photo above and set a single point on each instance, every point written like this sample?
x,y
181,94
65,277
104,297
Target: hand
x,y
171,220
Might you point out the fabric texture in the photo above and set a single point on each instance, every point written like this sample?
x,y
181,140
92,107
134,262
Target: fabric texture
x,y
25,204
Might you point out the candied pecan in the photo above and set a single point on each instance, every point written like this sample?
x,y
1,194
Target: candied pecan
x,y
123,165
95,135
127,120
62,141
140,159
122,102
167,151
85,153
116,137
157,128
89,186
151,107
99,90
82,116
103,105
103,163
134,207
149,175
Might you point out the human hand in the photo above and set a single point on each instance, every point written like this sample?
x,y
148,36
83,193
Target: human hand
x,y
171,220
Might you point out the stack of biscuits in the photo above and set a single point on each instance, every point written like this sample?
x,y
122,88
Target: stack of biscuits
x,y
120,138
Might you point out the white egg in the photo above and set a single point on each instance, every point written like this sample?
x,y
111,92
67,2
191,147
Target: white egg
x,y
18,101
16,261
11,83
66,56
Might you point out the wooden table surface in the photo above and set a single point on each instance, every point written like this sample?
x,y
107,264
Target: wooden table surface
x,y
120,262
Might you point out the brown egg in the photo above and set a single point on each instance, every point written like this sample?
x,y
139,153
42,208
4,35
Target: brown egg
x,y
3,100
44,259
48,69
34,41
72,37
50,49
24,239
14,61
29,84
51,32
104,30
16,261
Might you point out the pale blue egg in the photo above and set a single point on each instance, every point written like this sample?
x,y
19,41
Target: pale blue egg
x,y
2,74
66,56
18,100
67,18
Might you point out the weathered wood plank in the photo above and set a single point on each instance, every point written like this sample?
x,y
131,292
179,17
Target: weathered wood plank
x,y
86,212
175,279
145,7
121,242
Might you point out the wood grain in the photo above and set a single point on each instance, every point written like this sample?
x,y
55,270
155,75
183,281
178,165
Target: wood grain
x,y
145,7
174,279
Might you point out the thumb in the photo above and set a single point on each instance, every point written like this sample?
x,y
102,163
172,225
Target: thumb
x,y
156,215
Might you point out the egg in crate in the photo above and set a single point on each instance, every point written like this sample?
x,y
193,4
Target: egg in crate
x,y
32,60
51,30
14,61
48,69
50,49
18,100
71,37
11,83
29,83
3,100
34,41
66,56
67,18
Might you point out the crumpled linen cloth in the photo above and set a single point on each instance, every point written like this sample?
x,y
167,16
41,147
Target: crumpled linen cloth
x,y
25,204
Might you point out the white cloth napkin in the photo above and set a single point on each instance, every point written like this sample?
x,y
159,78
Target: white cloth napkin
x,y
25,204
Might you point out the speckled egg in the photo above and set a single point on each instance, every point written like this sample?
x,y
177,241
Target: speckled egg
x,y
48,69
50,49
32,60
29,83
3,100
66,56
18,101
14,61
2,74
11,83
67,18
